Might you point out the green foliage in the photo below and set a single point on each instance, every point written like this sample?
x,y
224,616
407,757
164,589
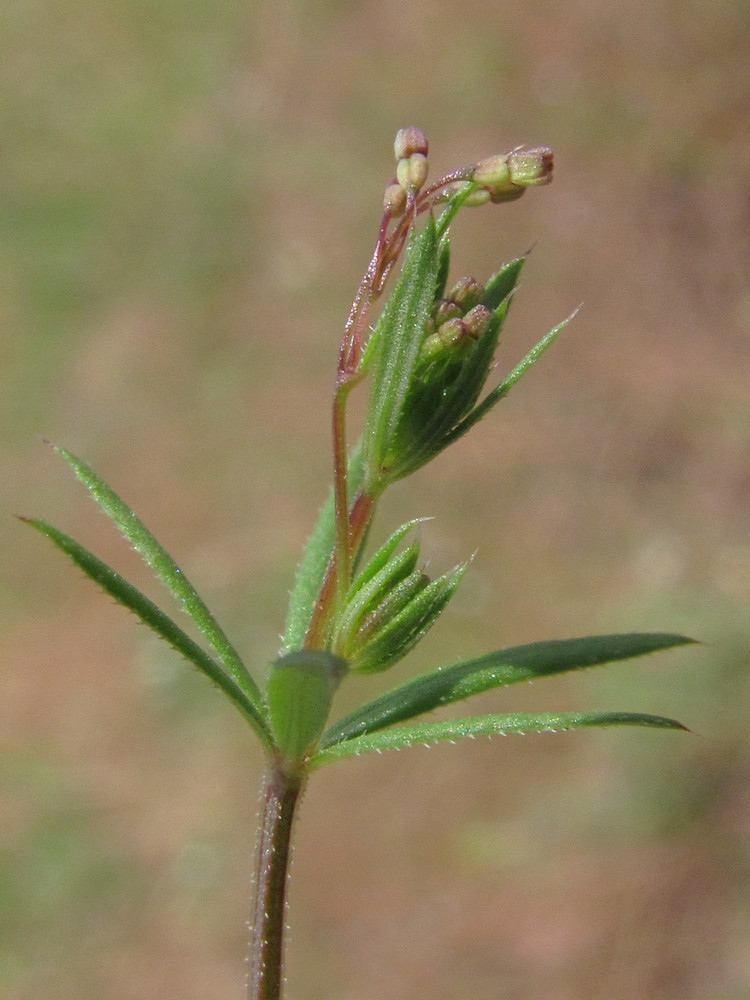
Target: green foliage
x,y
391,604
427,733
152,616
300,689
165,568
498,669
313,565
397,339
227,671
428,359
420,401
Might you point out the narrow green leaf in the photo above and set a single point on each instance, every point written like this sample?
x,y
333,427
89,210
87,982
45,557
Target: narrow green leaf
x,y
444,265
497,669
508,382
378,561
399,331
146,611
366,600
300,689
436,407
450,211
167,570
406,626
428,733
502,283
312,568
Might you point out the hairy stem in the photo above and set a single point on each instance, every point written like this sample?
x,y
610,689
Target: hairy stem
x,y
281,794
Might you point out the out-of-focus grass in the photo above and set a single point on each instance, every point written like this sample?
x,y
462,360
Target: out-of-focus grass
x,y
188,194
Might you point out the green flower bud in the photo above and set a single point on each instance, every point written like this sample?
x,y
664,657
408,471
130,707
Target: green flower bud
x,y
451,333
412,173
410,140
531,167
506,175
449,343
480,196
499,195
493,171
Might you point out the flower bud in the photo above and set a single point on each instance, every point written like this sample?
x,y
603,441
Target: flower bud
x,y
443,310
492,172
506,175
500,194
394,200
530,167
449,343
479,196
476,321
451,333
408,141
466,293
412,173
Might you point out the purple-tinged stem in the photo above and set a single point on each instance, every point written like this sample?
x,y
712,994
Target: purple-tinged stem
x,y
280,797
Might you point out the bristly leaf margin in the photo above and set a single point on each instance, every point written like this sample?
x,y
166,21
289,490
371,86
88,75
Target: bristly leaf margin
x,y
152,616
167,570
496,669
428,733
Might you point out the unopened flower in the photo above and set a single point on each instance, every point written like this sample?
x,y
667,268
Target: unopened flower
x,y
467,292
412,172
410,140
505,176
394,200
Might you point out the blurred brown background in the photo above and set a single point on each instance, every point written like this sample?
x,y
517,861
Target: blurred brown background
x,y
189,193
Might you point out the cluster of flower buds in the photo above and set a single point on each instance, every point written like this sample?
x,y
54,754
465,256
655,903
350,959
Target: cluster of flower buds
x,y
498,178
455,323
505,176
410,148
431,352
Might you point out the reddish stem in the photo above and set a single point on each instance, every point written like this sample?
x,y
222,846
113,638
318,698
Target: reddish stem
x,y
359,518
281,795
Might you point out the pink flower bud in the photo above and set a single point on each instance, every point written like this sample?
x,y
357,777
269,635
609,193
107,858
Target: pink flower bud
x,y
408,141
466,293
445,309
476,321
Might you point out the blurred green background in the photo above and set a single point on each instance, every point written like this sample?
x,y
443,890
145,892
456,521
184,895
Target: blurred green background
x,y
189,193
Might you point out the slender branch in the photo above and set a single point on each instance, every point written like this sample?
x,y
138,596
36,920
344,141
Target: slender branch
x,y
280,798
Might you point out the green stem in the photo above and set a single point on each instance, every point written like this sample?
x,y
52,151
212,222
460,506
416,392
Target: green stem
x,y
280,797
